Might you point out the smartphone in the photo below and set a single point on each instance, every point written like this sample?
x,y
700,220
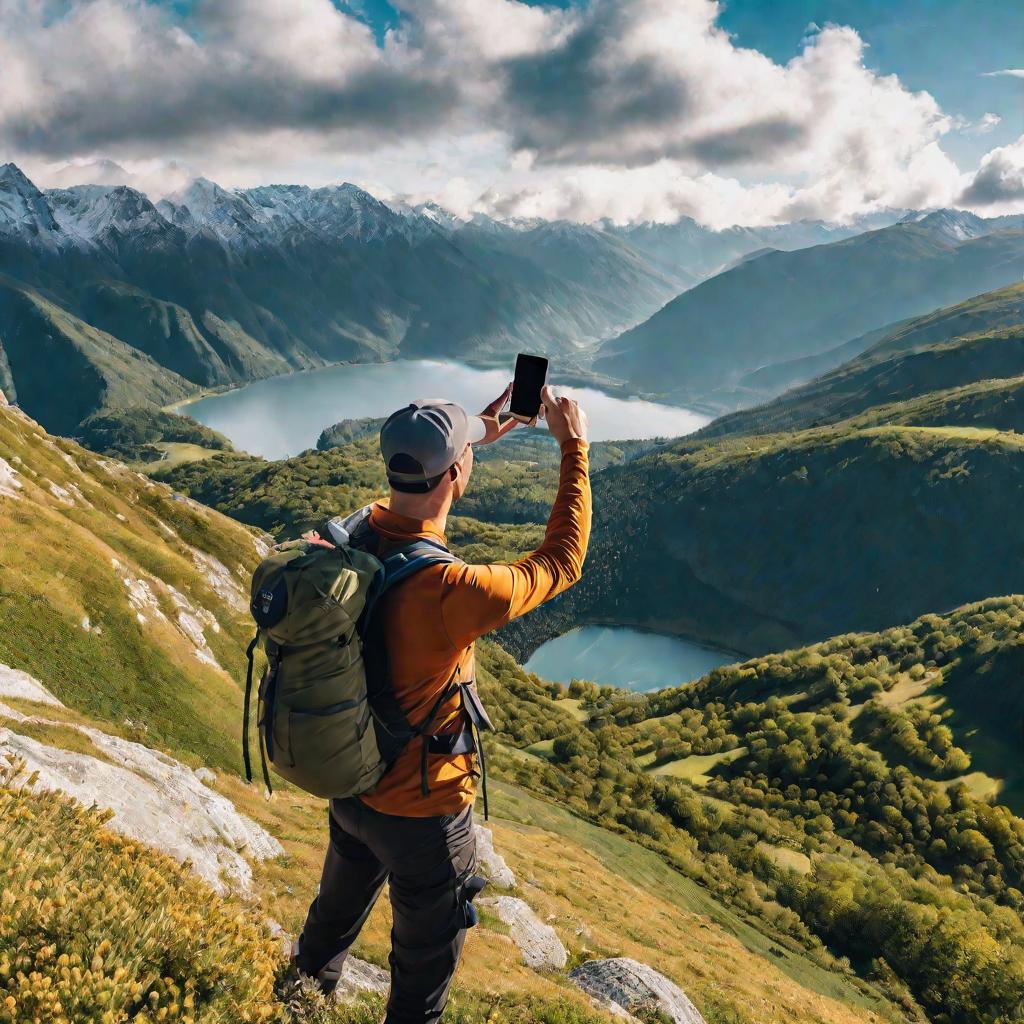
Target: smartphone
x,y
531,372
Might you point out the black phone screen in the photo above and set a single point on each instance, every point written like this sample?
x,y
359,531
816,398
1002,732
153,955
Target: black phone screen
x,y
531,372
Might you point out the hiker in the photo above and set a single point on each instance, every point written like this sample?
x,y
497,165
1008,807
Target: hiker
x,y
415,827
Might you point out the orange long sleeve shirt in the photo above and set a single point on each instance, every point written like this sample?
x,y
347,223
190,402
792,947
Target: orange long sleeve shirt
x,y
432,620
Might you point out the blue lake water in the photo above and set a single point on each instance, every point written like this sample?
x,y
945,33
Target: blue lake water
x,y
284,415
628,658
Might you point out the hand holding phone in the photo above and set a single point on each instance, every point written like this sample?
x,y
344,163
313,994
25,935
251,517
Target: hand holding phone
x,y
566,419
531,373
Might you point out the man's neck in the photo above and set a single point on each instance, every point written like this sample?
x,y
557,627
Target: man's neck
x,y
430,507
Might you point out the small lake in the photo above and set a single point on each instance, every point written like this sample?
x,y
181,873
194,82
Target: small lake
x,y
623,657
282,416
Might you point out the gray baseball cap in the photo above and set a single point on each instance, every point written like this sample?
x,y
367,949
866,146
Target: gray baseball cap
x,y
425,439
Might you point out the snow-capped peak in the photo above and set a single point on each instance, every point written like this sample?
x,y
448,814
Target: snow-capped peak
x,y
23,208
954,225
201,205
90,212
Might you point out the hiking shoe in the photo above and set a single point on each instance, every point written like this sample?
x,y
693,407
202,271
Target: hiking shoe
x,y
326,979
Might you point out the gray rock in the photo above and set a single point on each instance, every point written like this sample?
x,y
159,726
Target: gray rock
x,y
358,976
538,942
155,799
490,863
14,683
633,986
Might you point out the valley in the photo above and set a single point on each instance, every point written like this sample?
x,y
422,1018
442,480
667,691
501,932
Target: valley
x,y
775,731
137,629
143,303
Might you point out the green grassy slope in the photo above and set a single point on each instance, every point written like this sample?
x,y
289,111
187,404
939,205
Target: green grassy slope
x,y
97,567
976,340
62,369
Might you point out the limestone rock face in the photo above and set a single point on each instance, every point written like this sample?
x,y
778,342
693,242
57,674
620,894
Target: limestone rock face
x,y
15,683
358,976
155,799
490,863
632,986
539,943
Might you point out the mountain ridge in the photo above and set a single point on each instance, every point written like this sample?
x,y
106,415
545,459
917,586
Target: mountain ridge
x,y
783,306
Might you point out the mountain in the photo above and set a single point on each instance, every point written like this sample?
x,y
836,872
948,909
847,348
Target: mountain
x,y
981,339
62,368
784,306
618,278
120,682
703,252
222,286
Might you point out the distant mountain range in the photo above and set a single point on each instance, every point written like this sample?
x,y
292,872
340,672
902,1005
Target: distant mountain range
x,y
107,297
712,342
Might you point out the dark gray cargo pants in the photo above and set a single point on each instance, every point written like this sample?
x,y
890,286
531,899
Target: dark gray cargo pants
x,y
427,862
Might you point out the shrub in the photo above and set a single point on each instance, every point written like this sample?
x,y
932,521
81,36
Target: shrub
x,y
97,927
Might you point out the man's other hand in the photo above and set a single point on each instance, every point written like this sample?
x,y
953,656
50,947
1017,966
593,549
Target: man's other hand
x,y
566,419
496,427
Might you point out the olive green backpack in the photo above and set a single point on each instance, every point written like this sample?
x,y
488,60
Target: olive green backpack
x,y
328,718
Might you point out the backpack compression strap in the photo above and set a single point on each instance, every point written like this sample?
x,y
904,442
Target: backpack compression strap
x,y
249,654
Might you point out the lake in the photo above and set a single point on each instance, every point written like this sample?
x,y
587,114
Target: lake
x,y
284,415
628,658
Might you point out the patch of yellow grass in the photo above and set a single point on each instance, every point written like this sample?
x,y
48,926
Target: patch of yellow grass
x,y
787,858
697,768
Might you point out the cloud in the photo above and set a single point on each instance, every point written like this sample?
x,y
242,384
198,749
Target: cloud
x,y
986,123
622,108
998,185
122,73
1005,73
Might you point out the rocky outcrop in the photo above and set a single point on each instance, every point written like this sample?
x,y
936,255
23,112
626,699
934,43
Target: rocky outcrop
x,y
15,683
490,863
9,482
155,799
358,976
633,987
539,943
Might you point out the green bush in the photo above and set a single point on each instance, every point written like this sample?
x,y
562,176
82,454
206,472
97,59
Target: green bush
x,y
97,927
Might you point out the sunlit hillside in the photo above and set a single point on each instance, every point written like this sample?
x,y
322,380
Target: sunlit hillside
x,y
132,641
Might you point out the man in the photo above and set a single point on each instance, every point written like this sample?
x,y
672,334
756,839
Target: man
x,y
414,829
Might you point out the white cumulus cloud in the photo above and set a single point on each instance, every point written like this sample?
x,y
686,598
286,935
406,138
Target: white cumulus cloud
x,y
630,109
998,185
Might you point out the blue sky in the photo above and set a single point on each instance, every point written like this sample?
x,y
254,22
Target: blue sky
x,y
744,111
944,46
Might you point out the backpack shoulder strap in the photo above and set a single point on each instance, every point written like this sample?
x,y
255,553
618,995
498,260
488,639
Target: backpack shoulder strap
x,y
412,558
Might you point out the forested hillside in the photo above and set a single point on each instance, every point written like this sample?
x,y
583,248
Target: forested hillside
x,y
764,542
849,782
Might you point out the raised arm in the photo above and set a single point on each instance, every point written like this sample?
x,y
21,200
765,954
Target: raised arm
x,y
479,598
